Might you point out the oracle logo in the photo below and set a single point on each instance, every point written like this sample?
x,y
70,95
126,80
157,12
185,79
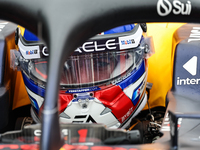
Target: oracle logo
x,y
98,46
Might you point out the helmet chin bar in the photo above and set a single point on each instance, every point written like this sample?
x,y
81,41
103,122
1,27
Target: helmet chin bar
x,y
100,17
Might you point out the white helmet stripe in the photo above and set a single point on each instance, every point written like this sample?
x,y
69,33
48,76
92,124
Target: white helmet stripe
x,y
38,98
130,89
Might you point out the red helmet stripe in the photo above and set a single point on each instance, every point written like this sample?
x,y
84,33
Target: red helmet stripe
x,y
40,73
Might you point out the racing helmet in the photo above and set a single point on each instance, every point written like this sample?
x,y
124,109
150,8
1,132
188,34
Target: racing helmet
x,y
103,80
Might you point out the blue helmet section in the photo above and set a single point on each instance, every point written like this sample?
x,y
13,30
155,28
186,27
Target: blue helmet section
x,y
33,87
120,29
30,36
136,74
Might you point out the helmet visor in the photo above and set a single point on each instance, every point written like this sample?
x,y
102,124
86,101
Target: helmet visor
x,y
90,69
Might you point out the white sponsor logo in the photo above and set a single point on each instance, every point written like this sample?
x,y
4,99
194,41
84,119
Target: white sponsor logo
x,y
45,51
187,81
164,7
191,66
2,25
195,34
94,46
166,123
121,78
38,132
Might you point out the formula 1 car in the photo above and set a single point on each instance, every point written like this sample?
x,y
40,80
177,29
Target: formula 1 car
x,y
169,121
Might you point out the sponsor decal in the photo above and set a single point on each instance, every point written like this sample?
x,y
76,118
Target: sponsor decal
x,y
187,81
166,123
39,132
98,46
165,7
103,45
129,112
118,80
65,132
31,52
84,119
125,42
191,67
130,41
195,34
45,51
2,25
83,90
